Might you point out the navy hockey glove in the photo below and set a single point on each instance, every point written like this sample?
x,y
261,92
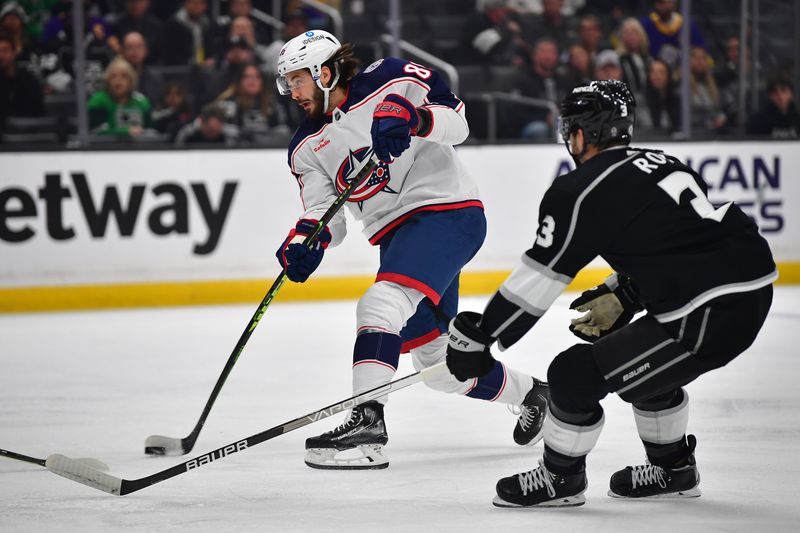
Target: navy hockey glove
x,y
608,307
394,121
300,261
468,354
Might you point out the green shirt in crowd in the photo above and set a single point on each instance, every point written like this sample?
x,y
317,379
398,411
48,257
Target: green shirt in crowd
x,y
109,118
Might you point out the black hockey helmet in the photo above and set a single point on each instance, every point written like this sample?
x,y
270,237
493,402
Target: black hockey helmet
x,y
604,110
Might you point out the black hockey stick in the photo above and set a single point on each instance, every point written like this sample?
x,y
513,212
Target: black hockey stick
x,y
21,457
98,465
76,471
161,445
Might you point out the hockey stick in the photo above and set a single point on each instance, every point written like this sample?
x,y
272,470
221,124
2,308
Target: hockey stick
x,y
161,445
82,473
96,464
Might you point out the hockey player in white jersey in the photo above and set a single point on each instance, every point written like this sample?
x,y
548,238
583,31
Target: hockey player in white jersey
x,y
419,206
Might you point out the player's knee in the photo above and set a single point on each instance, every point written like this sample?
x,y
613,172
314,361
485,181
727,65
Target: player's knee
x,y
576,383
387,305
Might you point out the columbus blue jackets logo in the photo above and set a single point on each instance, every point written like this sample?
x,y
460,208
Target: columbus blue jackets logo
x,y
378,181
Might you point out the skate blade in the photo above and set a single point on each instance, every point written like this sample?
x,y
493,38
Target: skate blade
x,y
367,457
569,501
694,492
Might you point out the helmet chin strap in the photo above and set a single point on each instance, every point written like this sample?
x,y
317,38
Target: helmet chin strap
x,y
326,91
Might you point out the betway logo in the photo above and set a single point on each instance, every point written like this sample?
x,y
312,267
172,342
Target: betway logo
x,y
171,215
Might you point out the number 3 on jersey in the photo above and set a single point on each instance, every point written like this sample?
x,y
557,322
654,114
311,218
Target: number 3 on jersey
x,y
677,182
545,236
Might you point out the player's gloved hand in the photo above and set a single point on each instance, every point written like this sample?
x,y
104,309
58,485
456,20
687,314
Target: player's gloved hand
x,y
608,307
468,354
394,121
298,260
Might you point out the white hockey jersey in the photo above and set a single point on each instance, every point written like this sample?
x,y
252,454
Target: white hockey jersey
x,y
428,176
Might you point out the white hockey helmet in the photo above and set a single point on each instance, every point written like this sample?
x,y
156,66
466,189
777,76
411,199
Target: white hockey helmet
x,y
308,51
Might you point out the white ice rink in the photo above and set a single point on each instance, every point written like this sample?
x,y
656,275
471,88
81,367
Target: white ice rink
x,y
97,383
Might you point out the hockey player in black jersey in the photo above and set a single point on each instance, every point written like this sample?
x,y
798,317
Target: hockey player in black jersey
x,y
703,277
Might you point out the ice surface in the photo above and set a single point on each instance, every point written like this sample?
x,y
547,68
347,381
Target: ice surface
x,y
98,383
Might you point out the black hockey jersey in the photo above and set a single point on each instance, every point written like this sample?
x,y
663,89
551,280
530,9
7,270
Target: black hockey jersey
x,y
648,215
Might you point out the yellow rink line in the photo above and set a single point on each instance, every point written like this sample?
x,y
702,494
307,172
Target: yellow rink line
x,y
76,297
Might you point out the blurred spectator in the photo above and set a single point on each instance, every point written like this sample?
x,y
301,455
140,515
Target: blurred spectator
x,y
659,112
779,117
57,31
262,34
541,81
134,50
242,27
537,7
607,66
238,54
633,55
172,111
553,23
38,13
187,39
728,70
590,35
497,34
165,9
20,92
137,18
119,109
663,26
208,128
706,109
57,61
12,22
727,78
248,105
579,69
295,24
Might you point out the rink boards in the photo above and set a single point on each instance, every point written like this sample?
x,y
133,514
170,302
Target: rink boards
x,y
118,229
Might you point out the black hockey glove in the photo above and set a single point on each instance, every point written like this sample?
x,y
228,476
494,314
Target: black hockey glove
x,y
468,354
608,307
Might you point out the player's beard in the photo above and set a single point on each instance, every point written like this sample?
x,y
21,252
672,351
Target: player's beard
x,y
318,110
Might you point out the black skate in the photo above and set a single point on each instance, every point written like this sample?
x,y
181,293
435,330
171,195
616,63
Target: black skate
x,y
360,440
528,430
650,481
541,488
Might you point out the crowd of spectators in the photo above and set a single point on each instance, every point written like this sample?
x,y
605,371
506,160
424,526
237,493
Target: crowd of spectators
x,y
557,44
167,71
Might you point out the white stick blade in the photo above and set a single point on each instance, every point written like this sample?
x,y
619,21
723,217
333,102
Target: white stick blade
x,y
82,473
97,464
161,445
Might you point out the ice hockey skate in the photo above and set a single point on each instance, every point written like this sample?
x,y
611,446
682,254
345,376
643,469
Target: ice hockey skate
x,y
541,488
356,444
528,430
650,481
